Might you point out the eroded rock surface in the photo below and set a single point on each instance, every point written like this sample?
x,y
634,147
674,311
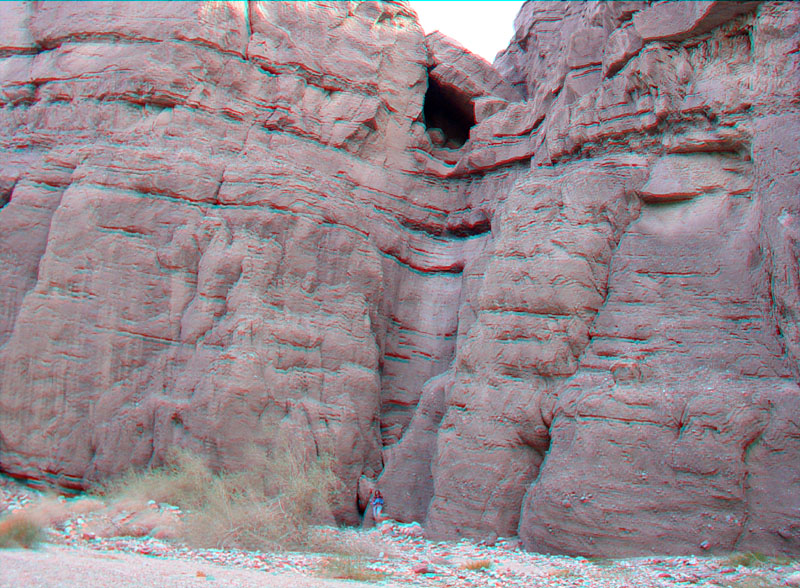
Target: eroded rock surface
x,y
555,298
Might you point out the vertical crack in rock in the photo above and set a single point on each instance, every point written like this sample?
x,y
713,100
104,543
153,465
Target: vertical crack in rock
x,y
24,239
746,490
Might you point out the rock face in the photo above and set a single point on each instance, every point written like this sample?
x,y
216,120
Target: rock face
x,y
558,297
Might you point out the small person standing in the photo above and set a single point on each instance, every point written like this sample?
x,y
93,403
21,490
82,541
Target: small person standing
x,y
377,505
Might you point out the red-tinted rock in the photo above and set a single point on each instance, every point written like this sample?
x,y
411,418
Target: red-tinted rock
x,y
680,177
422,568
162,271
792,580
586,48
453,65
632,388
15,35
620,46
669,21
407,480
572,318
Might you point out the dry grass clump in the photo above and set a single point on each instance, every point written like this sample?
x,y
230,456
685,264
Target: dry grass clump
x,y
748,559
602,562
349,568
25,527
20,530
270,506
561,573
184,481
753,582
477,564
751,559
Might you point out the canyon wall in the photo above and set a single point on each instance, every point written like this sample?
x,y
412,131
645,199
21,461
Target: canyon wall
x,y
557,297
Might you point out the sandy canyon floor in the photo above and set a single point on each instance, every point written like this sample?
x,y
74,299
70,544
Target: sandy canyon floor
x,y
390,555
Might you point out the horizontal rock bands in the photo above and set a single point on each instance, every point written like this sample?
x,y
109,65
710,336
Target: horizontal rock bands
x,y
454,267
118,38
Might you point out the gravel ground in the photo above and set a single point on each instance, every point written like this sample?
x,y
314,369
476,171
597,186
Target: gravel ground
x,y
59,566
395,554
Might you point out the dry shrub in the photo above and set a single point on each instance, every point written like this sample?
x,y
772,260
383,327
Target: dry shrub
x,y
271,505
477,564
46,512
25,527
560,573
748,559
239,515
20,530
751,559
182,481
50,510
753,582
349,568
84,505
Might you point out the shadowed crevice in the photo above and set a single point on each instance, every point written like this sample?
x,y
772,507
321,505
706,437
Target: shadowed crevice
x,y
467,230
460,231
450,110
5,194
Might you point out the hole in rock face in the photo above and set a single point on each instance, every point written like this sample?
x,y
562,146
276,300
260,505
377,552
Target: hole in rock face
x,y
537,437
450,110
471,230
5,194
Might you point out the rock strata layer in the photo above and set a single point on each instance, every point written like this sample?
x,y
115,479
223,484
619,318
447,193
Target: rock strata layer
x,y
557,297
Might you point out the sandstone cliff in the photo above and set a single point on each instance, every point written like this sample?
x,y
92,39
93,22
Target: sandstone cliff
x,y
558,297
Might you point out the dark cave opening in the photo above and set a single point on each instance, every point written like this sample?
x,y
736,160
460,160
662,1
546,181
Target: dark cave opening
x,y
449,109
5,194
466,230
536,437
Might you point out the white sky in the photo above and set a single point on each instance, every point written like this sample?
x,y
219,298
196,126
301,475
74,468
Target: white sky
x,y
482,27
